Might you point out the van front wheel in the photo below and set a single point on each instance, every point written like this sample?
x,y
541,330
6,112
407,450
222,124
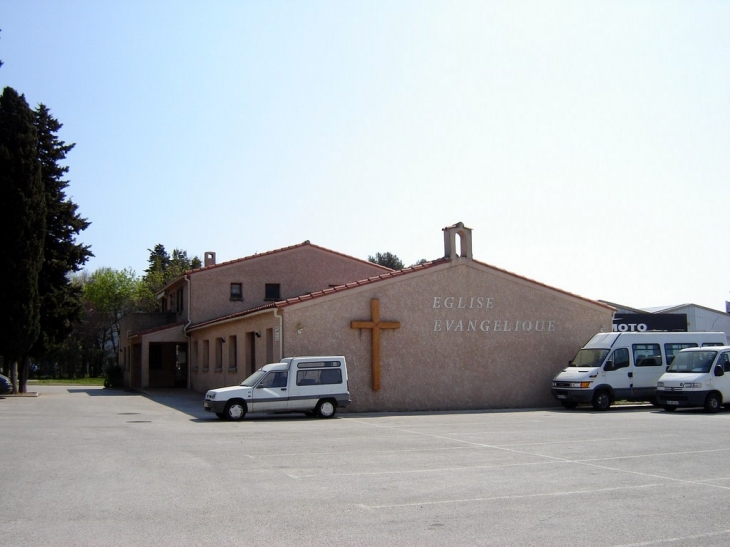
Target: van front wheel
x,y
326,409
713,403
601,400
235,410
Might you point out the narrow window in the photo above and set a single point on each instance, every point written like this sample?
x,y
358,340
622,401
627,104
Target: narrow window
x,y
236,291
195,356
219,354
206,355
273,291
232,353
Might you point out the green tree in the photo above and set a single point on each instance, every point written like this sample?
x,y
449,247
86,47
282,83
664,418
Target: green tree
x,y
389,260
112,294
61,303
88,348
162,269
23,226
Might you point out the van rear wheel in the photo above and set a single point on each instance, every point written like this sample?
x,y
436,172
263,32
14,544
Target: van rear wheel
x,y
601,400
326,409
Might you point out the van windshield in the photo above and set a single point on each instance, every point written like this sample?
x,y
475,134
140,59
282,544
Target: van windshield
x,y
693,361
589,358
251,380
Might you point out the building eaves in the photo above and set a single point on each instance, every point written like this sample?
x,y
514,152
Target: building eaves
x,y
392,274
622,307
156,329
225,318
538,283
319,294
671,309
355,284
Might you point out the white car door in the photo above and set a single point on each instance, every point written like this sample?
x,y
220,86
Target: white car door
x,y
619,373
271,394
648,367
723,382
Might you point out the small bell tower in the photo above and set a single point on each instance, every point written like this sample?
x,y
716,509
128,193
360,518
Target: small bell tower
x,y
463,249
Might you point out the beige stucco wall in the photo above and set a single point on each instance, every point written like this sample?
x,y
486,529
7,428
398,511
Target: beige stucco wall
x,y
173,335
266,349
500,355
298,270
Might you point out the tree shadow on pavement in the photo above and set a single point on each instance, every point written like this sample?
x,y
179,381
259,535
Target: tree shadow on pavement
x,y
99,391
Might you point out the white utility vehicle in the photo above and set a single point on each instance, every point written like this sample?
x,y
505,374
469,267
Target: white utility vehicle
x,y
316,385
624,366
696,377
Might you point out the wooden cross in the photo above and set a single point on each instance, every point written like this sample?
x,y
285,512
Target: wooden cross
x,y
375,324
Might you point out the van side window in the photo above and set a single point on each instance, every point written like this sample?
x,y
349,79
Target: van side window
x,y
671,350
274,379
725,360
620,358
647,355
319,377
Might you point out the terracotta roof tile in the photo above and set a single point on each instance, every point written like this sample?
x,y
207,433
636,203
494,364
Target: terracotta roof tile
x,y
375,279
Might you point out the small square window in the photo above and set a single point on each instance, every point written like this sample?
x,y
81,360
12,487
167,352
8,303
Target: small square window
x,y
236,291
273,291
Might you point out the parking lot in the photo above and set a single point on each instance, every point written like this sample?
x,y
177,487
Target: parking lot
x,y
88,466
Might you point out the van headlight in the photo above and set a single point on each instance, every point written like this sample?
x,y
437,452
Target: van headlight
x,y
210,395
580,385
660,385
691,385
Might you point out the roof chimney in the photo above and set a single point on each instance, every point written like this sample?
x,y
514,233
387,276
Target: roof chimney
x,y
209,259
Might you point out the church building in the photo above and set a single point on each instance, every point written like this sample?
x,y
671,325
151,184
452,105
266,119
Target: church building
x,y
451,334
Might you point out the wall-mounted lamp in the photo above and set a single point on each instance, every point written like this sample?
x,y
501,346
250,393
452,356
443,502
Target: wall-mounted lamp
x,y
258,334
300,328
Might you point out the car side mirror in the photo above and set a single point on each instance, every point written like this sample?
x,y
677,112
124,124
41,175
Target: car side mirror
x,y
719,371
608,366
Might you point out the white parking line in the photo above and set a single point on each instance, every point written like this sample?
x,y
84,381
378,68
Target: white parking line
x,y
683,539
514,497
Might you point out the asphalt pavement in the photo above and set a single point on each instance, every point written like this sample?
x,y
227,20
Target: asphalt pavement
x,y
89,466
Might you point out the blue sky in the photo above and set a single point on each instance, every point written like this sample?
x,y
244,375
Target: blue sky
x,y
585,143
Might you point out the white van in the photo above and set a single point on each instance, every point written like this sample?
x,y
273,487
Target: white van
x,y
623,366
315,385
696,377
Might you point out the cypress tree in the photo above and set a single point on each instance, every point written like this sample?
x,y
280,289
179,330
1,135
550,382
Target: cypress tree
x,y
23,227
60,300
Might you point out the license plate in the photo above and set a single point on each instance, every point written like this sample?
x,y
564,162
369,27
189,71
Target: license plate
x,y
561,396
673,403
